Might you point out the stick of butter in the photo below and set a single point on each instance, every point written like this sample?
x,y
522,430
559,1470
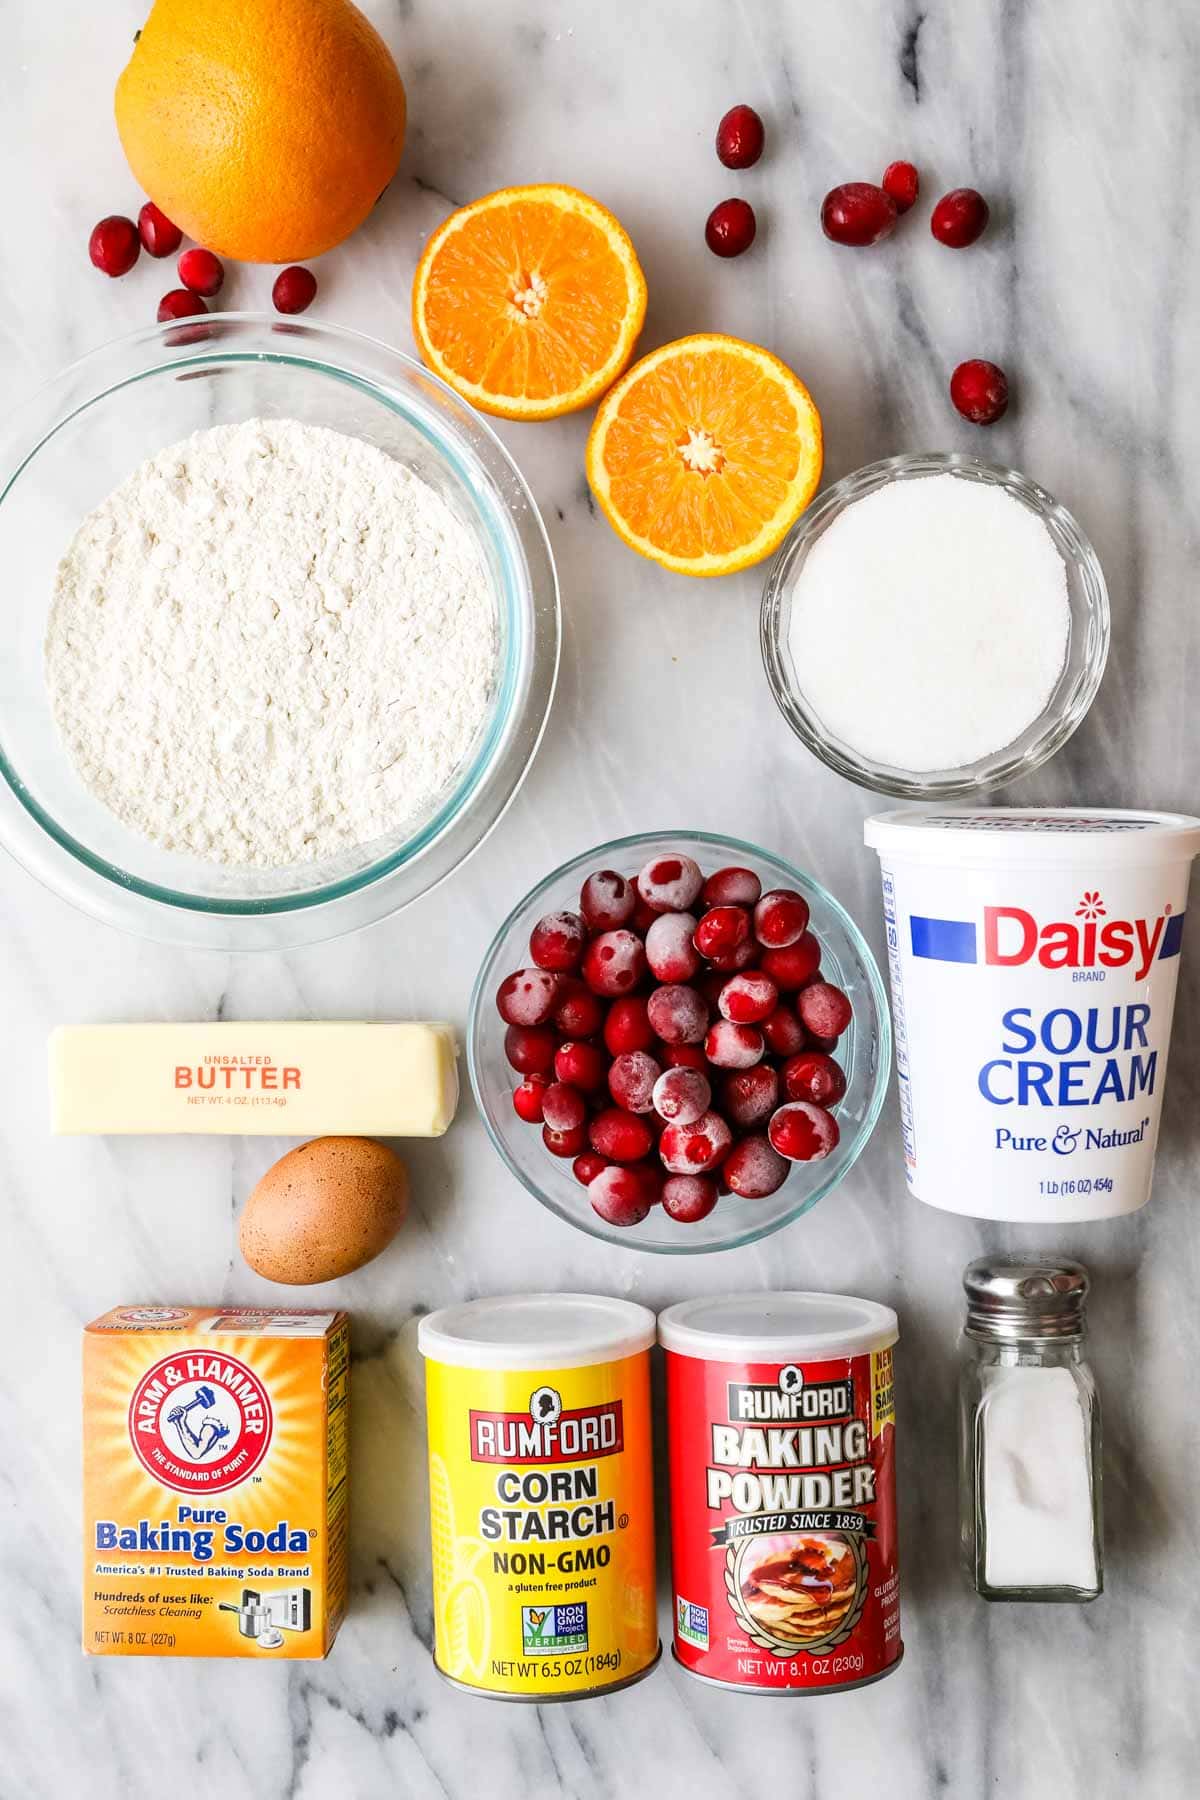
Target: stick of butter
x,y
292,1078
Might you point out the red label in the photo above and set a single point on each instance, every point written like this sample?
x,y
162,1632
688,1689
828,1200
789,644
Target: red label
x,y
783,1520
200,1423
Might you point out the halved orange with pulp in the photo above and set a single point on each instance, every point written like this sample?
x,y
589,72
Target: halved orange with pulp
x,y
705,454
529,301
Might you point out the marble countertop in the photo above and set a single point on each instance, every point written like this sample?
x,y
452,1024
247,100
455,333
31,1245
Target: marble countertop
x,y
1076,119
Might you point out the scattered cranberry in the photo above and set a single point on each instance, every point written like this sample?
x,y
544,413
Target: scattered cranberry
x,y
628,1027
689,1198
678,1014
814,1076
670,883
824,1010
730,1046
179,304
979,391
722,930
780,918
696,1148
623,1137
201,272
755,1169
588,1165
731,887
902,183
159,236
803,1132
527,998
295,290
530,1049
565,1143
527,1099
681,1096
631,1081
959,218
748,999
557,941
740,138
750,1096
614,962
583,1066
684,1056
791,967
857,213
730,228
620,1195
577,1011
607,900
114,245
669,948
784,1033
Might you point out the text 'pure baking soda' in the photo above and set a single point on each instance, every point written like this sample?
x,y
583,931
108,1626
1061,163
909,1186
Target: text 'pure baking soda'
x,y
1034,958
214,1481
541,1494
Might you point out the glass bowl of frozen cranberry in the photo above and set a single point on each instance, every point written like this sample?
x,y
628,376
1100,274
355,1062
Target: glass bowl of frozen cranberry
x,y
679,1042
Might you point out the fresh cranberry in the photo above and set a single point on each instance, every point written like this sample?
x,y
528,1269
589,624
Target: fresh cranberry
x,y
824,1010
670,883
628,1026
527,997
179,304
780,918
530,1049
903,184
693,1149
813,1076
577,1011
784,1033
620,1196
294,290
556,942
588,1165
607,900
749,998
623,1137
722,930
527,1099
159,236
791,967
731,1046
803,1132
614,962
114,245
565,1143
681,1096
754,1168
730,228
731,962
684,1056
677,1014
563,1107
631,1081
583,1066
669,948
857,213
959,218
201,272
979,391
689,1198
731,887
750,1096
740,138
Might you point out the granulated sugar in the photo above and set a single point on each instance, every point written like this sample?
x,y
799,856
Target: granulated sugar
x,y
929,623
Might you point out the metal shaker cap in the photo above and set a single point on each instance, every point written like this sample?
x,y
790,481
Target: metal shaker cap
x,y
1012,1297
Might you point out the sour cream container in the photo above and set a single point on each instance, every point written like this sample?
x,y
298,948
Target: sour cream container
x,y
1033,959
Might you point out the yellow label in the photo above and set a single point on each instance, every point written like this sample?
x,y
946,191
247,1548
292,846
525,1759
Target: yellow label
x,y
883,1391
542,1516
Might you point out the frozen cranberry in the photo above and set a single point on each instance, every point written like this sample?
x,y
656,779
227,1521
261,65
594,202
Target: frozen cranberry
x,y
583,1066
563,1107
159,236
780,918
857,213
587,1166
959,218
902,183
731,962
683,1056
730,228
294,290
750,1096
651,1176
824,1010
620,1196
681,1096
723,929
631,1081
791,967
740,138
731,887
201,272
825,1046
813,1076
979,391
803,1132
527,998
565,1143
784,1033
114,245
754,1169
577,1011
746,999
628,1026
695,1148
614,962
689,1198
670,883
557,941
607,900
677,1014
527,1099
530,1049
623,1137
732,1046
644,916
669,949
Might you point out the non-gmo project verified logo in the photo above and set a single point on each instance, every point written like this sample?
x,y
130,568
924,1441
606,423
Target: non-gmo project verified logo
x,y
554,1629
691,1623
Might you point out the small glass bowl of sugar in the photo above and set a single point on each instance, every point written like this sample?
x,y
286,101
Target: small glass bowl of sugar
x,y
935,626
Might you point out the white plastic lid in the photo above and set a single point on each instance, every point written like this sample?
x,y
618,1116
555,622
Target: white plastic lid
x,y
1003,835
536,1331
772,1327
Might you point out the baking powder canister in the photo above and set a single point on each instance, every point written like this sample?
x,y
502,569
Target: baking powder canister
x,y
781,1423
541,1494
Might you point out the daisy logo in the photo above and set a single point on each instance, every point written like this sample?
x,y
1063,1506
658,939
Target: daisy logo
x,y
199,1423
1091,906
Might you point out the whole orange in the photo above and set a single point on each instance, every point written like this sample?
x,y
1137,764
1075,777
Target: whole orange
x,y
266,129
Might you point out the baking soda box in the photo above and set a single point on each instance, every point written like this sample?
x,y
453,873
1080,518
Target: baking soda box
x,y
214,1481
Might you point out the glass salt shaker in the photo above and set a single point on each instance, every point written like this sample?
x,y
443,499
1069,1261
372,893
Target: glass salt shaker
x,y
1029,1467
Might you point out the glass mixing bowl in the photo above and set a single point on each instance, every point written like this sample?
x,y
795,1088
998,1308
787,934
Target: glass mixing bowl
x,y
865,1050
77,440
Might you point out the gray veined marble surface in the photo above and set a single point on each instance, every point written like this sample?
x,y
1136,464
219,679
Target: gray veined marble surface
x,y
1079,119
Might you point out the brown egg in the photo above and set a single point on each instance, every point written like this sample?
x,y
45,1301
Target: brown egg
x,y
323,1210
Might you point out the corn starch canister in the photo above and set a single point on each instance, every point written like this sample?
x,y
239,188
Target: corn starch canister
x,y
541,1494
781,1428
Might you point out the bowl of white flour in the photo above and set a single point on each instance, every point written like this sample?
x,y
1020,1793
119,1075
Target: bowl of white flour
x,y
284,634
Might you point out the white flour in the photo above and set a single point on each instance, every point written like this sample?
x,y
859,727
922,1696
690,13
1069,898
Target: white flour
x,y
270,644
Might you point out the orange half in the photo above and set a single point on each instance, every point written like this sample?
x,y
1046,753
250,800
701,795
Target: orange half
x,y
705,454
529,301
